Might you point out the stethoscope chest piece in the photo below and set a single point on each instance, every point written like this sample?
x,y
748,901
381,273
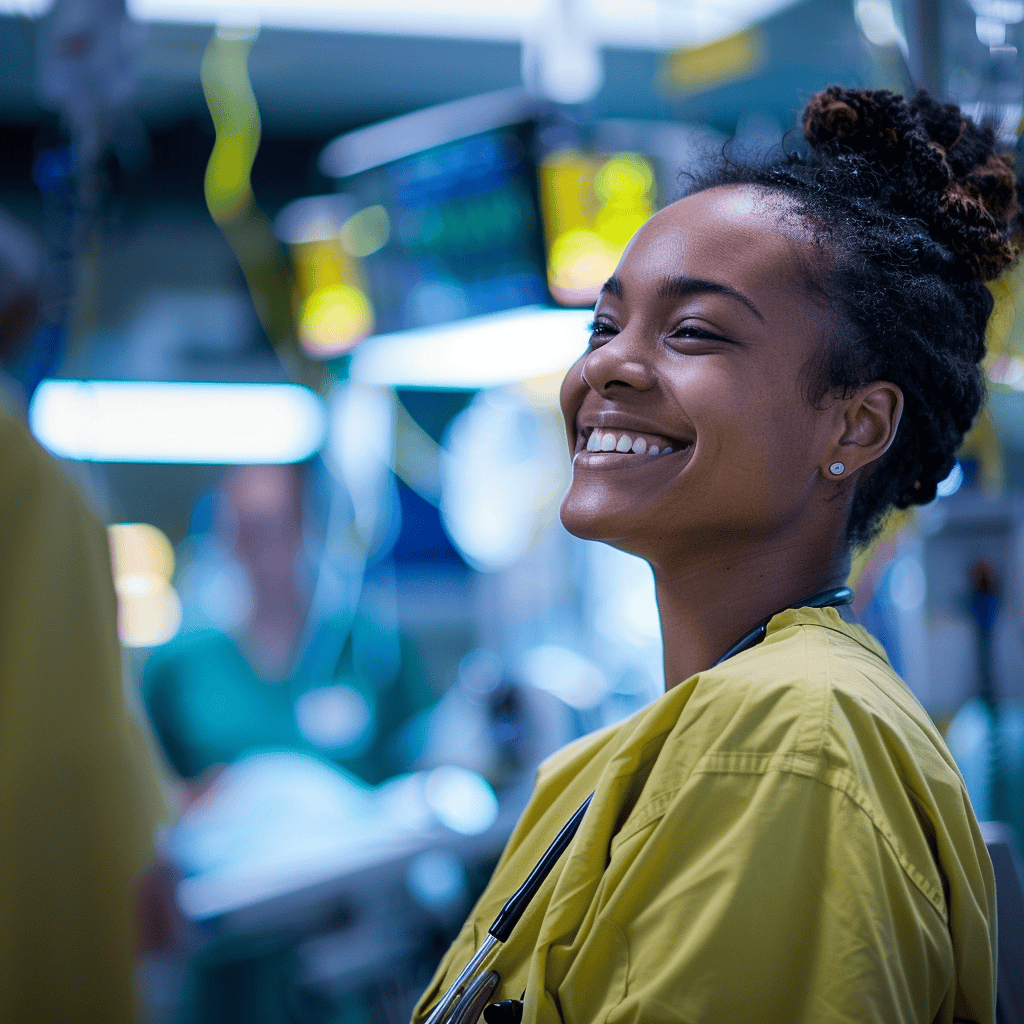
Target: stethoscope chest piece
x,y
508,1011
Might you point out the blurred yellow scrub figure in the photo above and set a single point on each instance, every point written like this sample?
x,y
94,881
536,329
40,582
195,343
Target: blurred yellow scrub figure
x,y
78,794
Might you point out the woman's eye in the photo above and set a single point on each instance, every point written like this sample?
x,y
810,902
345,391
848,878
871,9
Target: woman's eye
x,y
695,333
601,330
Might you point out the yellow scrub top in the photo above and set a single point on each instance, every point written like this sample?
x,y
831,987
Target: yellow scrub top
x,y
79,796
783,837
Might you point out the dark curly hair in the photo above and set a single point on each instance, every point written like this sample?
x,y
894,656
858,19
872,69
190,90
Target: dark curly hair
x,y
914,209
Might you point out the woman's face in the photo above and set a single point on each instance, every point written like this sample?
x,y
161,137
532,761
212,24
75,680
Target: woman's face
x,y
699,349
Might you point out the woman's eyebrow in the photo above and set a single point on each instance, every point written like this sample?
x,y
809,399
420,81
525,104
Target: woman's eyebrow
x,y
681,287
613,286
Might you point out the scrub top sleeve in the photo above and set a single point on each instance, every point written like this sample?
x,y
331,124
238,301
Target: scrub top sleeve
x,y
767,895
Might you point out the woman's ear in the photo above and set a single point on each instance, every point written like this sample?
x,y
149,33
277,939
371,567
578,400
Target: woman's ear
x,y
872,414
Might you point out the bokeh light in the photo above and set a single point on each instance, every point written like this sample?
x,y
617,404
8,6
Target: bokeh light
x,y
592,207
366,231
333,319
462,800
149,610
333,310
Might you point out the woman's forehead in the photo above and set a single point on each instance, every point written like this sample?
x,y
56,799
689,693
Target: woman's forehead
x,y
739,233
752,206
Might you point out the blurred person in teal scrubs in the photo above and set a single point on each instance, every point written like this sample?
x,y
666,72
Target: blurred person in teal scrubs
x,y
333,683
330,682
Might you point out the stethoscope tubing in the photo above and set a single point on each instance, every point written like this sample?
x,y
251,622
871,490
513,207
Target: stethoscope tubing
x,y
447,1003
509,915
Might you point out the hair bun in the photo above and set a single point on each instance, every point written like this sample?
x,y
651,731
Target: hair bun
x,y
939,167
852,116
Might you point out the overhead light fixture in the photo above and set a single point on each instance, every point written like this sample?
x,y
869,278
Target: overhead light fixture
x,y
878,24
478,352
134,421
31,8
621,23
490,19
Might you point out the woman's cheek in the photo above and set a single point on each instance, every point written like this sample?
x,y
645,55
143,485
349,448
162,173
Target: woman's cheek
x,y
571,396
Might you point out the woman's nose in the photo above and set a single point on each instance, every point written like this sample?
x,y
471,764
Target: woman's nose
x,y
618,362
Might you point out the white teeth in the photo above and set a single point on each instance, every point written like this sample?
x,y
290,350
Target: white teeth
x,y
608,442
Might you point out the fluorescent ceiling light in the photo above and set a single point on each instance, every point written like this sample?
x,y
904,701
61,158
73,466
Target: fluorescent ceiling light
x,y
479,352
489,19
129,421
32,8
655,24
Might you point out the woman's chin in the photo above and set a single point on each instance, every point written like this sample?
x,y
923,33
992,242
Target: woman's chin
x,y
593,517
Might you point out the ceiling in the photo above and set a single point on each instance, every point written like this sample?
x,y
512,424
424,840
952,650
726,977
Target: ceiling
x,y
319,83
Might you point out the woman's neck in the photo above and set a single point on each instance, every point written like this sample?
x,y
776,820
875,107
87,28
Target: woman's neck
x,y
705,608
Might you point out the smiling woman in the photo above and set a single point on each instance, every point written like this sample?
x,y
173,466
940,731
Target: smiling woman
x,y
710,366
779,359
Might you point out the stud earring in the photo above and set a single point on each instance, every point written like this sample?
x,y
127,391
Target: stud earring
x,y
837,469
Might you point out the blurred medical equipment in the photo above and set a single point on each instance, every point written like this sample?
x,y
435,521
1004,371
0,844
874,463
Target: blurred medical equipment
x,y
491,723
286,848
86,72
487,204
457,188
971,617
496,494
1004,851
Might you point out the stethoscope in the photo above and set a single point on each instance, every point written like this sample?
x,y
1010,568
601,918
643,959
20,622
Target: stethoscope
x,y
468,996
